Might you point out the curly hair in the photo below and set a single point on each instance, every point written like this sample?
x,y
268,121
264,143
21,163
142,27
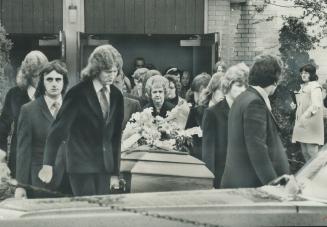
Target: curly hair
x,y
149,74
139,73
236,73
30,67
221,64
157,80
103,57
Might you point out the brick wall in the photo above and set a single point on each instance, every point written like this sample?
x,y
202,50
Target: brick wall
x,y
219,21
245,33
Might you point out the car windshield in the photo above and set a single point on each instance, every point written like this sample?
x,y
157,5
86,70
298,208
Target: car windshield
x,y
313,177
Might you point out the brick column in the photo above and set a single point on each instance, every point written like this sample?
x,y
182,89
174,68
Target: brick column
x,y
254,33
244,32
218,21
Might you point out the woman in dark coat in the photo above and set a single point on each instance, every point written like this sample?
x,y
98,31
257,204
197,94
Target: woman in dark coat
x,y
27,79
195,116
215,121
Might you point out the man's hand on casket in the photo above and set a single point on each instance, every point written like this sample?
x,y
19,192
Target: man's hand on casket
x,y
20,193
289,182
46,174
2,156
114,182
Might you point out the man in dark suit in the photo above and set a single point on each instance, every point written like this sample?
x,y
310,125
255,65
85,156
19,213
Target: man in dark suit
x,y
255,154
33,126
214,140
90,120
215,120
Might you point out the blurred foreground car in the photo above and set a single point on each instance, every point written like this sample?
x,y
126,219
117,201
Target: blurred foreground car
x,y
299,200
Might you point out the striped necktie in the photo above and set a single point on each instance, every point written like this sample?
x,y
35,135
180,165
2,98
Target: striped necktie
x,y
55,108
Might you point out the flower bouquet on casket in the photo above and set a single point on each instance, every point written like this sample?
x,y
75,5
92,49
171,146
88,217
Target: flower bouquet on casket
x,y
7,184
166,133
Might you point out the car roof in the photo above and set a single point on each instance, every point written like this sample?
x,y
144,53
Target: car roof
x,y
158,199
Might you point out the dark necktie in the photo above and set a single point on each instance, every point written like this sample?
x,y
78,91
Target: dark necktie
x,y
104,101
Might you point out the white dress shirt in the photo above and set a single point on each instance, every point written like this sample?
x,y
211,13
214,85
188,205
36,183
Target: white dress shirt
x,y
264,95
98,86
31,92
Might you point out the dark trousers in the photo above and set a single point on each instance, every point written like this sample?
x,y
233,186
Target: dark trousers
x,y
83,184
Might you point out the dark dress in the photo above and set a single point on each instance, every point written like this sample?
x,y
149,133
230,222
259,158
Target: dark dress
x,y
195,120
15,98
174,101
166,106
214,140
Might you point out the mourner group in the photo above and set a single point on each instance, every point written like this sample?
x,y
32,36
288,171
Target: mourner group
x,y
68,138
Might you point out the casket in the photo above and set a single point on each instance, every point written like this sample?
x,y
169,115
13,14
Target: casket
x,y
147,169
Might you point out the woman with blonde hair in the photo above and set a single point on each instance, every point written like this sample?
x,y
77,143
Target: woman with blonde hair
x,y
157,88
138,77
213,93
215,121
145,97
27,80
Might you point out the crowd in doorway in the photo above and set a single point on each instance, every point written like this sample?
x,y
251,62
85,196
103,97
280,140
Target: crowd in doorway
x,y
70,140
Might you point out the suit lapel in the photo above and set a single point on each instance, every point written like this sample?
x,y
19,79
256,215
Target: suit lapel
x,y
271,114
225,107
92,99
113,104
44,109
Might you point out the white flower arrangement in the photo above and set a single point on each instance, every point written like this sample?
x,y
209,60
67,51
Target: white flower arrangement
x,y
166,133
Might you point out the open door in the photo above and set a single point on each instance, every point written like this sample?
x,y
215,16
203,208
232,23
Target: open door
x,y
205,51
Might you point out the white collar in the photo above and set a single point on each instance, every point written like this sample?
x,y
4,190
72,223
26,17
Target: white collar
x,y
49,101
31,92
229,101
98,86
264,95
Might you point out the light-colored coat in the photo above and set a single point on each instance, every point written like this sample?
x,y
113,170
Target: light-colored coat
x,y
309,126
